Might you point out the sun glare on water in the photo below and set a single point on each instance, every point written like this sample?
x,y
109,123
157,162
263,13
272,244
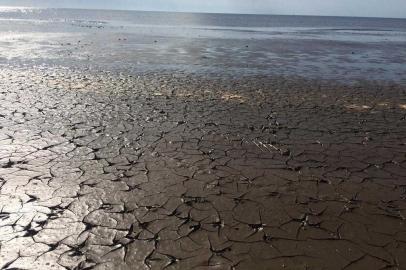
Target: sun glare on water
x,y
5,9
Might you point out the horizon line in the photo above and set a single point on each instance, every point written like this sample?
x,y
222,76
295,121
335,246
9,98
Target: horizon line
x,y
206,12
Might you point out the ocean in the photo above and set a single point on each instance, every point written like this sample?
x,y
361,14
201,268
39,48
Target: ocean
x,y
229,44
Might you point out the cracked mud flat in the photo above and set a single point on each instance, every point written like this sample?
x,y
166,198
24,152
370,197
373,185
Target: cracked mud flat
x,y
109,171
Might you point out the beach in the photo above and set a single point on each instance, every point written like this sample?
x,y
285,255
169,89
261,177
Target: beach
x,y
133,156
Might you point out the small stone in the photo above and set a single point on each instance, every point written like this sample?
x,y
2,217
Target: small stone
x,y
285,152
180,123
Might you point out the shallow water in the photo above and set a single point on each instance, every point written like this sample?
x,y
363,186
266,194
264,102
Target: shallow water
x,y
315,47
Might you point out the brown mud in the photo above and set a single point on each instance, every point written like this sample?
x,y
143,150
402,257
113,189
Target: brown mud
x,y
110,171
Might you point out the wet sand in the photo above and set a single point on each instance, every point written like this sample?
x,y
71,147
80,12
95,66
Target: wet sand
x,y
154,171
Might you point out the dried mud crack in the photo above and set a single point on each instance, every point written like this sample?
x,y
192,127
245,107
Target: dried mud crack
x,y
109,171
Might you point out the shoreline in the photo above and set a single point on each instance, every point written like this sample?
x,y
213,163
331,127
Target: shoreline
x,y
201,74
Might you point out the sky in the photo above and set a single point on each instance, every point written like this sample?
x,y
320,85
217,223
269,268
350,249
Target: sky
x,y
366,8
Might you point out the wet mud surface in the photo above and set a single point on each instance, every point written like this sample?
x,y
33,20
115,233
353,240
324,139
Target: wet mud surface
x,y
109,171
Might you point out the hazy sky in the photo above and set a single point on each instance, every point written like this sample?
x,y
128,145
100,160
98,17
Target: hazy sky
x,y
373,8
